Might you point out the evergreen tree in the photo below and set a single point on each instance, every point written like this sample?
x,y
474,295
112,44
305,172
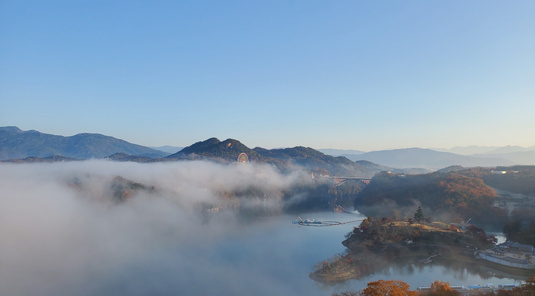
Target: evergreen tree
x,y
419,215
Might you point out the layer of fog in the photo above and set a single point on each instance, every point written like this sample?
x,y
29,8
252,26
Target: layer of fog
x,y
58,237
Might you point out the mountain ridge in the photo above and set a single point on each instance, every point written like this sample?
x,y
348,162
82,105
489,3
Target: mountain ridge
x,y
427,159
16,143
283,158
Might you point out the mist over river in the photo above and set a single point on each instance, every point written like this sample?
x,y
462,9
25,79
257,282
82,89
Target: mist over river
x,y
60,234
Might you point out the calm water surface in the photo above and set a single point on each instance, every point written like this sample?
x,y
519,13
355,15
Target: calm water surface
x,y
284,254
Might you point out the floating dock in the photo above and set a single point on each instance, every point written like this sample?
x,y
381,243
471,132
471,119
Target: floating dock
x,y
318,223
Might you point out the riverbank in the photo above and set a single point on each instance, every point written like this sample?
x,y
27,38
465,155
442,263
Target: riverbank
x,y
376,244
356,266
506,261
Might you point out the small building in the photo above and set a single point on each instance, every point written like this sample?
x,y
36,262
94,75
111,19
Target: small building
x,y
510,254
499,172
516,247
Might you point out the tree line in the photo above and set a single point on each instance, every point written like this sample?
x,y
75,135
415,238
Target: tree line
x,y
437,288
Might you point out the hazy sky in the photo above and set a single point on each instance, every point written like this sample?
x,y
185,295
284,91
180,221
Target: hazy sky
x,y
362,75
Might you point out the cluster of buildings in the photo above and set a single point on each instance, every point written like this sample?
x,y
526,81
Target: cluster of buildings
x,y
476,289
510,254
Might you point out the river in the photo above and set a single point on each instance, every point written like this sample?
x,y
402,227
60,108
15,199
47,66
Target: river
x,y
61,235
283,254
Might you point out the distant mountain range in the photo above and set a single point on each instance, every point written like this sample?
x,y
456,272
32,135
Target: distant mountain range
x,y
520,157
427,159
515,154
168,149
433,159
16,143
484,150
33,146
341,152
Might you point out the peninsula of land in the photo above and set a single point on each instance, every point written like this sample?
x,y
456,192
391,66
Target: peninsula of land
x,y
378,242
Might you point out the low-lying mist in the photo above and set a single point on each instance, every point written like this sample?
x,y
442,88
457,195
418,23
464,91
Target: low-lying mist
x,y
63,233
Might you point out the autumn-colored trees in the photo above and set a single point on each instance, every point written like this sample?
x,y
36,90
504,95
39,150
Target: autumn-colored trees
x,y
439,288
388,288
436,193
518,179
479,237
382,288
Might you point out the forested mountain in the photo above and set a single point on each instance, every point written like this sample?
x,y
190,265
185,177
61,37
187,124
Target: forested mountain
x,y
316,161
446,195
15,143
516,179
214,149
228,150
285,159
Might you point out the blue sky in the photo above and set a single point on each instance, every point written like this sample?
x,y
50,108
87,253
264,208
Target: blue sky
x,y
365,75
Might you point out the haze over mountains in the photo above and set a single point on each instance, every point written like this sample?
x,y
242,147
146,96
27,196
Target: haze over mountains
x,y
486,150
18,144
427,158
168,149
433,159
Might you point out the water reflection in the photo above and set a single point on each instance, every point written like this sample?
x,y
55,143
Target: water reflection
x,y
457,272
463,271
284,254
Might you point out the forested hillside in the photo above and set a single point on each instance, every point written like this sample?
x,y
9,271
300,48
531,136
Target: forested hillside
x,y
286,159
449,196
516,179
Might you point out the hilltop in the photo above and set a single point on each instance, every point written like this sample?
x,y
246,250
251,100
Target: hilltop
x,y
214,149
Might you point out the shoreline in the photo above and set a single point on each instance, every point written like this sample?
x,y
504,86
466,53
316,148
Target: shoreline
x,y
342,272
504,261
